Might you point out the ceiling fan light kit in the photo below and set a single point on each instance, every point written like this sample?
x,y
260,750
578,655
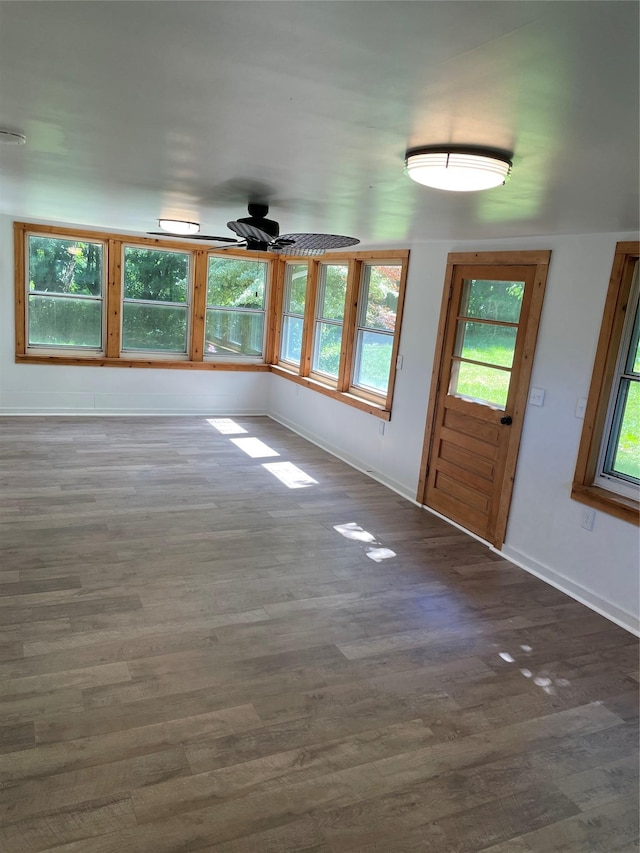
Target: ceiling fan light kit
x,y
9,137
457,168
179,226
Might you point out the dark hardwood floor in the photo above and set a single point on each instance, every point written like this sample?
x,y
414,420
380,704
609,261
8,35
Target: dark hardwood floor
x,y
201,653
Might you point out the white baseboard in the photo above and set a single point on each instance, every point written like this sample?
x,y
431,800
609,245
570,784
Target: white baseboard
x,y
400,488
585,596
127,413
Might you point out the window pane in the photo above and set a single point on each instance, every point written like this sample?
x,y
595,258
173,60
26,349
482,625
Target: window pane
x,y
291,349
154,327
155,275
65,266
236,284
297,288
492,300
326,356
485,384
382,288
373,361
334,291
234,332
484,342
627,443
64,321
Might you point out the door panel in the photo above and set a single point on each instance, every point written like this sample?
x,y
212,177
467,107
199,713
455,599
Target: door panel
x,y
485,351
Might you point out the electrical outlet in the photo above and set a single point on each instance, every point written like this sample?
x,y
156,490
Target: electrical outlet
x,y
588,518
536,396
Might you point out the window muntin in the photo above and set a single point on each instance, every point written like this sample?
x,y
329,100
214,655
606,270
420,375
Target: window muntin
x,y
485,344
155,304
330,307
293,306
376,324
235,314
65,287
619,460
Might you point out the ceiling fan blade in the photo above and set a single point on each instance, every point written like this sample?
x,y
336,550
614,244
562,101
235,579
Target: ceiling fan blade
x,y
167,235
313,242
250,232
241,244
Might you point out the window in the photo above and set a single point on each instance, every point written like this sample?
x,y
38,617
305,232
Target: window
x,y
608,467
65,284
377,310
331,323
155,300
327,339
337,328
235,307
487,327
293,305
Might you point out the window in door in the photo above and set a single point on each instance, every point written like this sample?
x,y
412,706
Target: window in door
x,y
486,330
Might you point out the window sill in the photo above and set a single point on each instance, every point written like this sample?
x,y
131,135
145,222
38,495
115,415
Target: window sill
x,y
169,364
376,409
617,505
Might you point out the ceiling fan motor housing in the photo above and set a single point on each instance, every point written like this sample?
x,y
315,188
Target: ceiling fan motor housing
x,y
257,218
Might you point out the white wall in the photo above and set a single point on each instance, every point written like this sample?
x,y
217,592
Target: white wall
x,y
544,535
601,567
47,389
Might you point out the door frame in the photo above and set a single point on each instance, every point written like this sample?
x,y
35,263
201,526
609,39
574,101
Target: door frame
x,y
539,259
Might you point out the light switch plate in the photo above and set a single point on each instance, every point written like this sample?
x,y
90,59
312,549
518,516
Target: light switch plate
x,y
536,396
581,407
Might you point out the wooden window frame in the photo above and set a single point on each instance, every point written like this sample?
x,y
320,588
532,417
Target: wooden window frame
x,y
266,340
156,355
111,354
359,307
341,388
336,382
21,240
281,271
584,488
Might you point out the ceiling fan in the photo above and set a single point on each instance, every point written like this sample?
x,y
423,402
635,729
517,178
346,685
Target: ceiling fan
x,y
257,233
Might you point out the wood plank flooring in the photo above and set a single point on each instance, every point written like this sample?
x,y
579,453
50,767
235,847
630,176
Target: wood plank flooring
x,y
201,653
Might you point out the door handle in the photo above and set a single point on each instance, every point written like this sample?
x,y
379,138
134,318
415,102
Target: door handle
x,y
507,420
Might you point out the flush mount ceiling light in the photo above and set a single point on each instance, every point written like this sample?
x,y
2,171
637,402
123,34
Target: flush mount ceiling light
x,y
458,168
179,226
8,137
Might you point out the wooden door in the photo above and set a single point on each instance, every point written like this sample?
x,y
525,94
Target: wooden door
x,y
486,341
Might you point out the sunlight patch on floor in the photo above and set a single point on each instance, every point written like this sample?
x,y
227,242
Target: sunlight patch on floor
x,y
380,554
226,426
254,448
543,680
289,474
354,531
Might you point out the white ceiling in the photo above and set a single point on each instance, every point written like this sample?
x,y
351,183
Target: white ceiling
x,y
134,110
